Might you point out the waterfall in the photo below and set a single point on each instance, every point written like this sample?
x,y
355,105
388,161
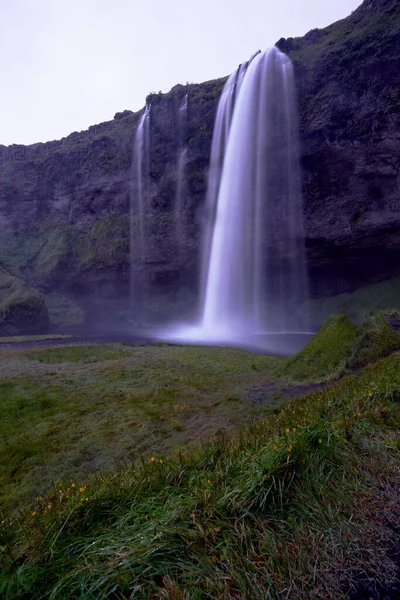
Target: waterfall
x,y
181,180
139,292
218,146
254,268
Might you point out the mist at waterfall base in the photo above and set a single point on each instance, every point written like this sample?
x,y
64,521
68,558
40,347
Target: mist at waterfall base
x,y
253,267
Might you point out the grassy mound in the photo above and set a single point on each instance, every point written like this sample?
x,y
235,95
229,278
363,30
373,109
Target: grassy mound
x,y
291,506
379,336
326,355
22,309
341,345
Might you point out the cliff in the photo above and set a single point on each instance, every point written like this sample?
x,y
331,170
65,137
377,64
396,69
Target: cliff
x,y
349,94
64,205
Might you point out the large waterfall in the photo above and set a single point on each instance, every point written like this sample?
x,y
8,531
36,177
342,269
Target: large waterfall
x,y
254,269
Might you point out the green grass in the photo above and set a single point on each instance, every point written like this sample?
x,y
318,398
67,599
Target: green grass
x,y
108,244
150,472
326,355
341,346
377,338
74,410
364,30
15,339
290,506
14,291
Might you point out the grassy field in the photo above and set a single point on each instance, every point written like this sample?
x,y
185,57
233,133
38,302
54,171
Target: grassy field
x,y
17,339
71,411
172,472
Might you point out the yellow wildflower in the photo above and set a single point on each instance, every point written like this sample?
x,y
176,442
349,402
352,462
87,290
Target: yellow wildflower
x,y
287,430
152,459
82,489
73,485
161,461
319,441
34,513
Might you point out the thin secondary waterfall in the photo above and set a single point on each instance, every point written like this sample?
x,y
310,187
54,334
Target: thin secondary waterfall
x,y
254,268
139,291
181,180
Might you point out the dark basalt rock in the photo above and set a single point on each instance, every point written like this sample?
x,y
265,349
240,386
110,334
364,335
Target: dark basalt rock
x,y
64,205
22,309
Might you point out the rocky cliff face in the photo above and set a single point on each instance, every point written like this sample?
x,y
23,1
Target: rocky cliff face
x,y
349,90
64,206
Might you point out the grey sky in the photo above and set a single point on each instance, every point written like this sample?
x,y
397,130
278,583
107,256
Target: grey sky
x,y
68,64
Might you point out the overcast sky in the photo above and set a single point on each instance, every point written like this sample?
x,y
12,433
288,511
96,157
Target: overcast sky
x,y
68,64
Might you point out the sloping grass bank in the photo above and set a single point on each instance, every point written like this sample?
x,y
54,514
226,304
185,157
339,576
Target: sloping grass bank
x,y
296,506
294,502
341,346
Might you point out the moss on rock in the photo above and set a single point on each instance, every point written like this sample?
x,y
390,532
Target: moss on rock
x,y
341,346
22,309
379,337
326,355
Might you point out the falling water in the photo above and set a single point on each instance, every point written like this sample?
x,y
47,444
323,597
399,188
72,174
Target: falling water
x,y
181,180
254,272
218,147
139,291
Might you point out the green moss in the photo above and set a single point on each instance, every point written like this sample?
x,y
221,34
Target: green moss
x,y
79,354
55,253
378,338
341,345
22,309
106,245
326,355
362,33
